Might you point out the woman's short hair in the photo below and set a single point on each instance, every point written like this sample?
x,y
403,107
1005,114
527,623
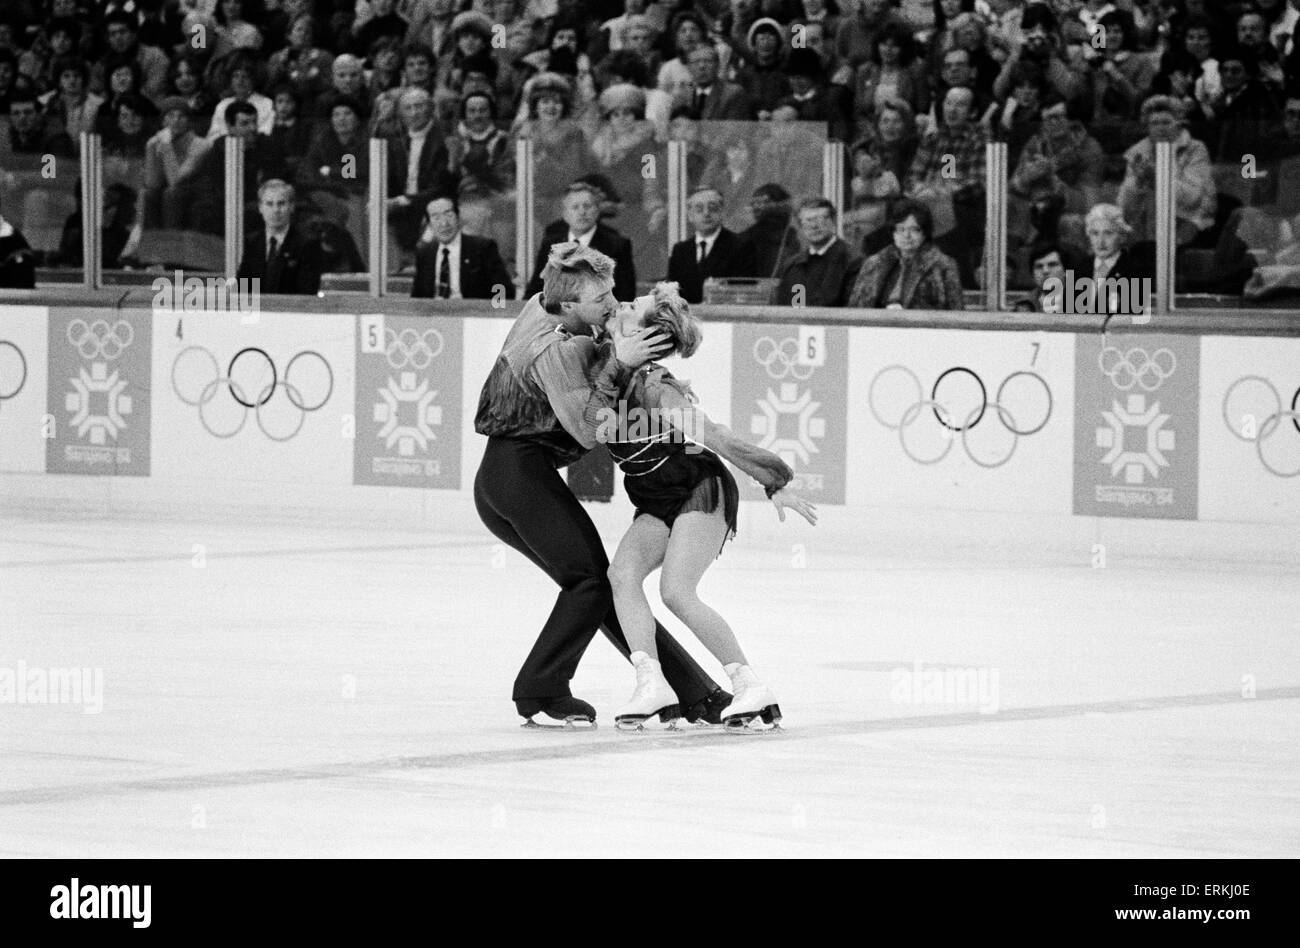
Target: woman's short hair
x,y
902,37
628,67
71,64
491,101
901,210
549,84
1161,103
904,110
672,314
1108,215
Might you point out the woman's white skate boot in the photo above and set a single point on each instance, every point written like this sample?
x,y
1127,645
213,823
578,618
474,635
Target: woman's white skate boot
x,y
653,697
754,705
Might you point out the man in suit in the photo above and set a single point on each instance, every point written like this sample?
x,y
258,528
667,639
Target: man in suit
x,y
714,99
581,223
280,255
208,181
1108,259
419,168
450,264
711,251
823,273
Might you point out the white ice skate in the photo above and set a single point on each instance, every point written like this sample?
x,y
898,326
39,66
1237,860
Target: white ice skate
x,y
653,697
754,704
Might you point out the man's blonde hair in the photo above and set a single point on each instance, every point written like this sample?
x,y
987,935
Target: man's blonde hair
x,y
569,266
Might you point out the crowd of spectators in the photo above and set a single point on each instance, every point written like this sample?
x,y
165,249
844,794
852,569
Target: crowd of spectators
x,y
1081,92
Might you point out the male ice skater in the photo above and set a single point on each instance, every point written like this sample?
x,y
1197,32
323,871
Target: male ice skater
x,y
540,409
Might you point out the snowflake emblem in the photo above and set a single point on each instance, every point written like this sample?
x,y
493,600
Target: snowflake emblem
x,y
802,408
1157,439
106,422
424,414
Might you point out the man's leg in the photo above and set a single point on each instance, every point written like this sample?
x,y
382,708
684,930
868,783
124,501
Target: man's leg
x,y
518,484
525,503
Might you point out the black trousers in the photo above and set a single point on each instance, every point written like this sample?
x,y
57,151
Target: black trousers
x,y
522,499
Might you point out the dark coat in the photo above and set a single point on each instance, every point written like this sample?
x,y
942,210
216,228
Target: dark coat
x,y
1132,264
932,281
837,273
17,262
434,177
727,102
481,269
607,240
296,268
728,257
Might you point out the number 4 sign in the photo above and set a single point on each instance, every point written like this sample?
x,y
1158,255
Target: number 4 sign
x,y
812,345
372,333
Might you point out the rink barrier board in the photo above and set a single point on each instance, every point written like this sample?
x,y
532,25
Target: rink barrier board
x,y
301,407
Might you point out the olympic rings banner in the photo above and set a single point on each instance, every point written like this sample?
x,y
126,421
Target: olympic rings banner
x,y
293,410
1136,422
98,395
262,401
1250,429
960,418
789,387
23,364
408,401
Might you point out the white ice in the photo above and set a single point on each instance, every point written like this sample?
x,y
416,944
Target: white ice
x,y
279,687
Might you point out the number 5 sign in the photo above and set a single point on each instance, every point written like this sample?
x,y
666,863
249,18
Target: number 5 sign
x,y
372,333
812,345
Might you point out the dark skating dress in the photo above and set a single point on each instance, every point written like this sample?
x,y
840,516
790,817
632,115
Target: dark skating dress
x,y
667,474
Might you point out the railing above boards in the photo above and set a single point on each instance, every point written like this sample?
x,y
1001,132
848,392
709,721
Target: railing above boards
x,y
1226,320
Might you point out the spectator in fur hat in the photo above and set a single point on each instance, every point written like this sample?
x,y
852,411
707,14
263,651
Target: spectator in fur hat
x,y
762,72
559,145
812,99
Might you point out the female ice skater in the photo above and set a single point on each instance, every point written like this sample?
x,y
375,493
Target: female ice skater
x,y
539,408
686,501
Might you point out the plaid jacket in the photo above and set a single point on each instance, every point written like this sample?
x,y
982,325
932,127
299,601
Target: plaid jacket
x,y
967,150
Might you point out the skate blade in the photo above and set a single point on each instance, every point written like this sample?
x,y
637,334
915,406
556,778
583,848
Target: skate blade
x,y
669,718
763,721
574,722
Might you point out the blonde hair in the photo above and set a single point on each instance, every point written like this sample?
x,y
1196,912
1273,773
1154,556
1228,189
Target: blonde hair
x,y
672,314
568,267
1108,215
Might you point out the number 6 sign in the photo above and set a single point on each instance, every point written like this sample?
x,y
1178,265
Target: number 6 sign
x,y
812,345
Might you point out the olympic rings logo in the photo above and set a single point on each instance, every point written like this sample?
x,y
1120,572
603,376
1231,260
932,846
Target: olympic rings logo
x,y
1274,416
203,379
99,340
781,359
1136,367
411,349
9,389
944,413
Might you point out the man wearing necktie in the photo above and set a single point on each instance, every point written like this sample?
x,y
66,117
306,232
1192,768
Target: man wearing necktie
x,y
281,256
1109,259
714,99
450,264
712,251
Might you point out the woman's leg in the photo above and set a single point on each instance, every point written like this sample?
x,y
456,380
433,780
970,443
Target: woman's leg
x,y
692,547
639,554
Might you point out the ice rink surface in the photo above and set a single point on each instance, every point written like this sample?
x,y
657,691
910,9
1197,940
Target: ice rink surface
x,y
287,687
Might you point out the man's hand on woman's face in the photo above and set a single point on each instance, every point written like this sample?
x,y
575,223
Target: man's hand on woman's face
x,y
638,348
